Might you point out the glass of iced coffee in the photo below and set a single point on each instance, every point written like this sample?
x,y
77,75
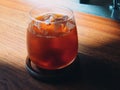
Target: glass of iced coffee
x,y
52,41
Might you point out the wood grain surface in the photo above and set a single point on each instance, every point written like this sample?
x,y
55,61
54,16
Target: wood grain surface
x,y
99,48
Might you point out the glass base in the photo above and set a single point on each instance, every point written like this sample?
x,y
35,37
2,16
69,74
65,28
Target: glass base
x,y
70,72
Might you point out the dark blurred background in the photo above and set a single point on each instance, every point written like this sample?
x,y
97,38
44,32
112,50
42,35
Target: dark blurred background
x,y
94,2
97,2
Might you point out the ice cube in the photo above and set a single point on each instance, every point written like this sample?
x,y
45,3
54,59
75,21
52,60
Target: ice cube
x,y
48,18
60,23
61,19
70,25
65,17
51,17
37,24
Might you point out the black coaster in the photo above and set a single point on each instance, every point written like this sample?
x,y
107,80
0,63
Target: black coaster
x,y
68,73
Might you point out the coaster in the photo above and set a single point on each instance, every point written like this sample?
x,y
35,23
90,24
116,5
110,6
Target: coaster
x,y
68,73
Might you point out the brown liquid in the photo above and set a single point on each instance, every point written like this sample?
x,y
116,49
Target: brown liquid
x,y
51,47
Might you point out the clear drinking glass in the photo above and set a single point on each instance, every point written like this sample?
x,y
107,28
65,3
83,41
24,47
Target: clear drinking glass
x,y
52,41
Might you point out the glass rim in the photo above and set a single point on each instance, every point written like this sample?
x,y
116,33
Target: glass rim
x,y
51,6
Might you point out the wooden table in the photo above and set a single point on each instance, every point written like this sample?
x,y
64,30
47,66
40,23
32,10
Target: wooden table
x,y
99,51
